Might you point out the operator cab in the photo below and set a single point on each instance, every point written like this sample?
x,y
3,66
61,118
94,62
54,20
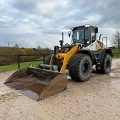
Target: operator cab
x,y
85,34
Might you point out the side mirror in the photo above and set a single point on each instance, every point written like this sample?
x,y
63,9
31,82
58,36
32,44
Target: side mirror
x,y
61,43
96,30
69,33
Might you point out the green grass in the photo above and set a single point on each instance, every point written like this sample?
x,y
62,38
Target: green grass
x,y
22,65
35,63
115,52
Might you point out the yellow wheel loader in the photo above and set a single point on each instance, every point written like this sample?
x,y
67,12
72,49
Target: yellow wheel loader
x,y
78,58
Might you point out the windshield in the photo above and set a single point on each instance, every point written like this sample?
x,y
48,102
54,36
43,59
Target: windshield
x,y
79,35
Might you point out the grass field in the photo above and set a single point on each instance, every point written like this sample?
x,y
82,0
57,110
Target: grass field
x,y
14,66
22,65
116,53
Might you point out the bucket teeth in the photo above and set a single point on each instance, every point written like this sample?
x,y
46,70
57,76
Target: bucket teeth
x,y
42,82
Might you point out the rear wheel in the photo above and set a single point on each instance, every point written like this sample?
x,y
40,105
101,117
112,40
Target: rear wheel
x,y
106,64
80,67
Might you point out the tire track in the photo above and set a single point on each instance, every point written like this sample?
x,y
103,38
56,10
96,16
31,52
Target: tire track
x,y
7,96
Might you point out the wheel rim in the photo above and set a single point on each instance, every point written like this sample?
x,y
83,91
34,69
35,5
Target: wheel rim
x,y
85,68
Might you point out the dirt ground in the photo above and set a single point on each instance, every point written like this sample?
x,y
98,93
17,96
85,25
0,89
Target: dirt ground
x,y
96,99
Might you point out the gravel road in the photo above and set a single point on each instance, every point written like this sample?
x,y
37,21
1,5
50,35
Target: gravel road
x,y
96,99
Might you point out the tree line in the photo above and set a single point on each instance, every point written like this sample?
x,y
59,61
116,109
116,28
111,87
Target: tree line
x,y
5,60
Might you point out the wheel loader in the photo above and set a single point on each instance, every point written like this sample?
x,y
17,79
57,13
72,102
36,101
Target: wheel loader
x,y
78,58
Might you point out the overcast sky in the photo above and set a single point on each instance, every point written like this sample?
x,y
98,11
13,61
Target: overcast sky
x,y
32,23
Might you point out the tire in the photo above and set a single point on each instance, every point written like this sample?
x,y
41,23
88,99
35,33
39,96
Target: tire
x,y
56,62
80,67
47,60
106,64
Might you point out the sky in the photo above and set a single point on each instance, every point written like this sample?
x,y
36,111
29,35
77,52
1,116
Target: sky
x,y
33,23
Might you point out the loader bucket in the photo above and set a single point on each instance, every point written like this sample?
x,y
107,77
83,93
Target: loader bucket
x,y
42,82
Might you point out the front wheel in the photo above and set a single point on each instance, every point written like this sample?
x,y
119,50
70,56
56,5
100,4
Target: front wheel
x,y
47,61
80,67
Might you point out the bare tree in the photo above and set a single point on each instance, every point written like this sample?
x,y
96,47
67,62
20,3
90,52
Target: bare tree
x,y
39,48
116,39
16,46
